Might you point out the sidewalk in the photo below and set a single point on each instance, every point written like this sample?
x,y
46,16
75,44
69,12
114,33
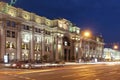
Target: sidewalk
x,y
66,64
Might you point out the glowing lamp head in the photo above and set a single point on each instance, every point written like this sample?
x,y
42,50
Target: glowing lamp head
x,y
87,33
115,47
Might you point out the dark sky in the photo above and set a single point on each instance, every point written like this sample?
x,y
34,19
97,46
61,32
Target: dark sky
x,y
101,16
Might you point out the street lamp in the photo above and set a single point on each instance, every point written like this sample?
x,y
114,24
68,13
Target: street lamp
x,y
115,47
85,34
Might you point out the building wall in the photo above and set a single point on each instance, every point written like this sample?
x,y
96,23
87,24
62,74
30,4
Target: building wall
x,y
28,37
111,54
92,48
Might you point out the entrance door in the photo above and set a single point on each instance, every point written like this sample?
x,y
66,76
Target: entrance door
x,y
67,55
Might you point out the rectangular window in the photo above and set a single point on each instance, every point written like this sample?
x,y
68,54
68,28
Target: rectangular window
x,y
35,29
24,26
8,23
13,34
46,48
8,33
39,31
13,24
23,46
27,28
48,33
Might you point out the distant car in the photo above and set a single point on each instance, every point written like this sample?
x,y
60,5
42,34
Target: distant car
x,y
22,65
27,66
17,64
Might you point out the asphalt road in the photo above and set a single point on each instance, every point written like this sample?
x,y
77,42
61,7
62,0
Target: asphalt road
x,y
79,72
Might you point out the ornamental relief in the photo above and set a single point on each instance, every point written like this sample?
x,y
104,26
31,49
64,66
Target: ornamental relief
x,y
26,16
48,22
12,12
37,20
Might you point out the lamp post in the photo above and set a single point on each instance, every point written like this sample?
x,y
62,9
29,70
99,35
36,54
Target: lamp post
x,y
85,34
116,48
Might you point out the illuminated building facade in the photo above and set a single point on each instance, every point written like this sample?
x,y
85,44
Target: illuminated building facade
x,y
25,36
111,54
92,48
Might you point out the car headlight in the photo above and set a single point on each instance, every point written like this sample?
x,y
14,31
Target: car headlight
x,y
26,65
22,65
13,65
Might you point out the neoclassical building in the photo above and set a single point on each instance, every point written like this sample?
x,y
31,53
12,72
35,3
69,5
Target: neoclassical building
x,y
92,48
26,36
111,54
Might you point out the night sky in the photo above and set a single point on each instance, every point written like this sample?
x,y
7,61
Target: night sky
x,y
101,16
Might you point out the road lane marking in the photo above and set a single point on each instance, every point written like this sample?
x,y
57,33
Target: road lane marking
x,y
79,67
97,79
35,71
10,74
21,77
68,75
27,78
15,75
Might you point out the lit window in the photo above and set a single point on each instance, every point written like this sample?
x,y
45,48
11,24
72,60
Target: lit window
x,y
12,56
13,45
26,38
23,46
38,57
65,43
77,31
7,44
36,47
35,56
76,49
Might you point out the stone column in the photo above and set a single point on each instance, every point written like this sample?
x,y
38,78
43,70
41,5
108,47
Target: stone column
x,y
52,48
19,43
42,44
56,54
32,45
3,40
